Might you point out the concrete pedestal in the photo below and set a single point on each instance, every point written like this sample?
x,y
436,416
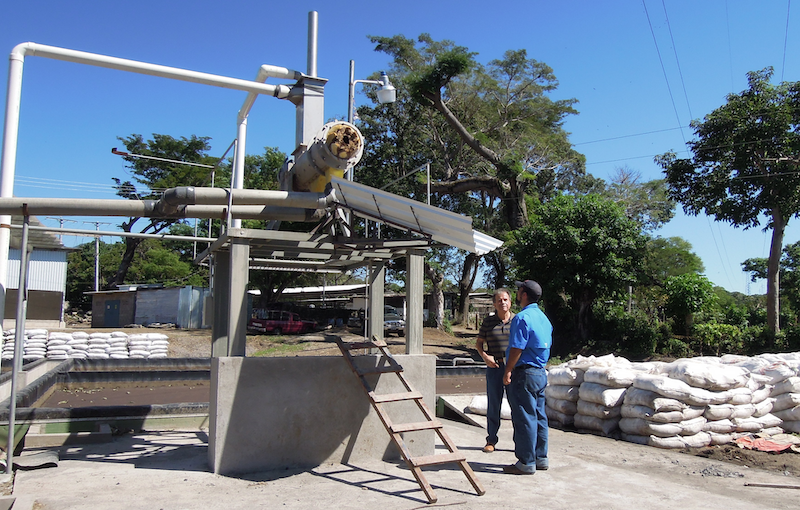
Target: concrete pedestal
x,y
302,412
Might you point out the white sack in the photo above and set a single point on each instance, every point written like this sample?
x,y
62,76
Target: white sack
x,y
599,394
562,406
710,376
555,416
719,427
613,377
565,376
637,396
790,385
605,427
791,414
786,401
597,410
561,392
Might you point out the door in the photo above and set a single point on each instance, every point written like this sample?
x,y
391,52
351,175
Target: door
x,y
111,317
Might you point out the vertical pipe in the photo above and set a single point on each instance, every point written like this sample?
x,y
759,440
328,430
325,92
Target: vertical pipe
x,y
97,262
428,169
313,25
351,98
19,340
8,164
238,166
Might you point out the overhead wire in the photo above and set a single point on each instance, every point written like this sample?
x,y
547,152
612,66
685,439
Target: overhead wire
x,y
725,259
786,36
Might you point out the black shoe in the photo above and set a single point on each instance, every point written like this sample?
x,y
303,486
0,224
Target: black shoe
x,y
514,470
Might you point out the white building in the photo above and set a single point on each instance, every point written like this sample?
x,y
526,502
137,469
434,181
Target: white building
x,y
47,277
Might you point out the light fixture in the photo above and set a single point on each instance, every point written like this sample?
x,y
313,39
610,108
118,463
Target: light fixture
x,y
387,93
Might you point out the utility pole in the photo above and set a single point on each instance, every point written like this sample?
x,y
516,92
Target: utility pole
x,y
61,221
97,253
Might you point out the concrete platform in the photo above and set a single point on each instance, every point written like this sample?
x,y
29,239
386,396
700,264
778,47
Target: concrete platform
x,y
169,470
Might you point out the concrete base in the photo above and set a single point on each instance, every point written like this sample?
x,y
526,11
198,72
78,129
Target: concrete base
x,y
302,412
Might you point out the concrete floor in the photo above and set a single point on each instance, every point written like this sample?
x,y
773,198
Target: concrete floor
x,y
169,471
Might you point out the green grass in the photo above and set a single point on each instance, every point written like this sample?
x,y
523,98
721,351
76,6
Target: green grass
x,y
278,350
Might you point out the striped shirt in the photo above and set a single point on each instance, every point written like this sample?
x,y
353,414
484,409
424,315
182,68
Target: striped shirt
x,y
495,335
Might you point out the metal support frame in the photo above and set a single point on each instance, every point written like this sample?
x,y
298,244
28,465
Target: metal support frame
x,y
19,342
221,267
377,279
415,297
237,296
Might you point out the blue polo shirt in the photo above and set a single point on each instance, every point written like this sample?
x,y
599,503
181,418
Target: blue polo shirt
x,y
532,332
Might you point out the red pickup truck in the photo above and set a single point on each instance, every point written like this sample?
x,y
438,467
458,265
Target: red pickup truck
x,y
279,322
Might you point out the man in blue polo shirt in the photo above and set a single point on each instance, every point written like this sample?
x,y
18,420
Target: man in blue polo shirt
x,y
529,344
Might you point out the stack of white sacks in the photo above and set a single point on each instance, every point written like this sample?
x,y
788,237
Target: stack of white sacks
x,y
689,402
38,344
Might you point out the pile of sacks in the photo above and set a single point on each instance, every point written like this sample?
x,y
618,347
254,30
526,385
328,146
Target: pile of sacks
x,y
38,344
689,402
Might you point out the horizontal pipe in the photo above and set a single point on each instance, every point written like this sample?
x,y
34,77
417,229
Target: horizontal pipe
x,y
148,209
41,50
114,233
191,195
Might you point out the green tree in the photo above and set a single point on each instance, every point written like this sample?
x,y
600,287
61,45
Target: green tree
x,y
489,132
579,249
647,203
150,177
744,167
670,256
789,273
688,294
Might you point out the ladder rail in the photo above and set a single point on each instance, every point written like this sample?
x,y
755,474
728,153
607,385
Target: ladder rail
x,y
387,364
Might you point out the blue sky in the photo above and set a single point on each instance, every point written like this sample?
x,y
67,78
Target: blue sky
x,y
641,70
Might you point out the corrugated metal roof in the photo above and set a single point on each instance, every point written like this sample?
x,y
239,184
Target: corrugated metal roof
x,y
441,225
324,251
36,238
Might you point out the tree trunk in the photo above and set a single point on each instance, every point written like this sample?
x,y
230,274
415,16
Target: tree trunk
x,y
495,260
584,302
773,271
468,274
514,200
131,243
437,296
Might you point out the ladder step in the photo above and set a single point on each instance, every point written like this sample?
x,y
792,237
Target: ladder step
x,y
432,460
363,345
379,370
395,397
411,427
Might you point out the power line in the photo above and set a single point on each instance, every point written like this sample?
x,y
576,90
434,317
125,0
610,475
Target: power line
x,y
629,136
786,36
675,51
663,69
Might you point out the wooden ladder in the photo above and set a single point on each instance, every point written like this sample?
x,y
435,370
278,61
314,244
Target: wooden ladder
x,y
387,364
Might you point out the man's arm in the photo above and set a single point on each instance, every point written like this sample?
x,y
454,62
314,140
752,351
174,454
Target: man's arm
x,y
488,358
513,356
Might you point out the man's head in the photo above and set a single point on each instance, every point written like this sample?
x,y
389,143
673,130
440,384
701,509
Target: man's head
x,y
531,290
501,299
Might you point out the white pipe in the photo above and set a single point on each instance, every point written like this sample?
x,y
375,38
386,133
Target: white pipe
x,y
148,209
238,164
121,64
14,97
190,195
313,29
264,72
8,162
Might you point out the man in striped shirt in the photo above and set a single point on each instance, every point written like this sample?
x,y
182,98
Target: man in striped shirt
x,y
491,345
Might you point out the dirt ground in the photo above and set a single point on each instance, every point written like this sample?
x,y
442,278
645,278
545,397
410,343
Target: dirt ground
x,y
460,344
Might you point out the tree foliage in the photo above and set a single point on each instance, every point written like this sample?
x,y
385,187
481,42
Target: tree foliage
x,y
688,294
150,177
744,166
579,249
